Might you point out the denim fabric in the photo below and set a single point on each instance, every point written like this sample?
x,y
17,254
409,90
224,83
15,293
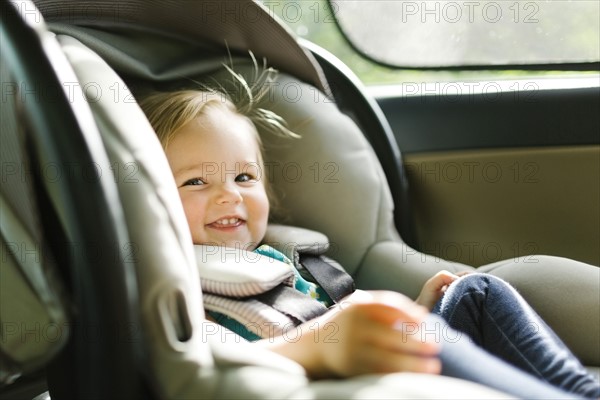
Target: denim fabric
x,y
496,318
462,359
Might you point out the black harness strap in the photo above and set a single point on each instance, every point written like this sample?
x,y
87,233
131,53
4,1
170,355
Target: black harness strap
x,y
292,303
336,282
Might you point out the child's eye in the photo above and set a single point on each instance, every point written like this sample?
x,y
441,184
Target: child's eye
x,y
245,178
194,182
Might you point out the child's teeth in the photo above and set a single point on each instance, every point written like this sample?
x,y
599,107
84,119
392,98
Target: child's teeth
x,y
227,221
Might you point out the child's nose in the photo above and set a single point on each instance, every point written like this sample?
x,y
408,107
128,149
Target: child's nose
x,y
229,193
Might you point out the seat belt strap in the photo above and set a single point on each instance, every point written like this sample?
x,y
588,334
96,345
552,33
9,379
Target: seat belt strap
x,y
292,303
336,282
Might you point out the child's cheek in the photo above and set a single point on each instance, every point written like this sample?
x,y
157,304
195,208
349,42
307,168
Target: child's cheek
x,y
193,210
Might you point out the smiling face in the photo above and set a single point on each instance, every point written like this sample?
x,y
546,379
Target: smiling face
x,y
216,162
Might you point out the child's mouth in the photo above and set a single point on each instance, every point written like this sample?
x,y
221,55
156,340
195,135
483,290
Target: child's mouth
x,y
225,223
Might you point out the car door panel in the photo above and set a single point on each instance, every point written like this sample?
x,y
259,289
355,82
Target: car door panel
x,y
508,175
481,206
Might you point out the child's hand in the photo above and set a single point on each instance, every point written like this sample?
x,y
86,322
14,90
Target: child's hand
x,y
435,287
382,335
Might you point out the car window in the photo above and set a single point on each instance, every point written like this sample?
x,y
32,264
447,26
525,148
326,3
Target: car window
x,y
315,20
468,33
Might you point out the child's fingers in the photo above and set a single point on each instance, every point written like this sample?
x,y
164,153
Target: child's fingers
x,y
445,277
388,311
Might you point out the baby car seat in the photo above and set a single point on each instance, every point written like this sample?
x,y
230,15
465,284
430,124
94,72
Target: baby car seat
x,y
118,265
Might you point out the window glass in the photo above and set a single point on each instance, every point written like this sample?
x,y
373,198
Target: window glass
x,y
467,33
314,21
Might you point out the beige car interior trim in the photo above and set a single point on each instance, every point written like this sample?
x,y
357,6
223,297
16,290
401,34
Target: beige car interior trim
x,y
481,206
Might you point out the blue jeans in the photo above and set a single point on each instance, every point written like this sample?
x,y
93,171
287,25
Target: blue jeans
x,y
495,318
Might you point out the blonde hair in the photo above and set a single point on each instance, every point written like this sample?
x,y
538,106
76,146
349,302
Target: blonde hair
x,y
170,111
